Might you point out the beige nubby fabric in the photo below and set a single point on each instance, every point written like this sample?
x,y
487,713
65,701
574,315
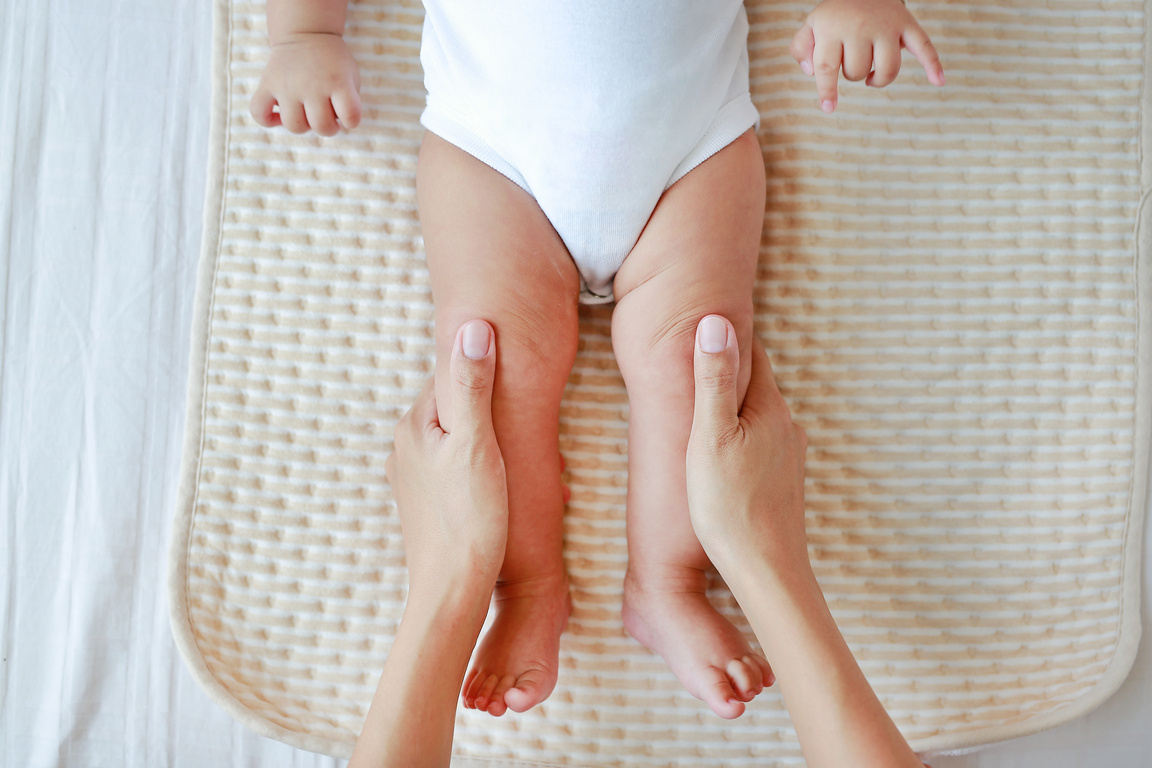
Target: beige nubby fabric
x,y
947,289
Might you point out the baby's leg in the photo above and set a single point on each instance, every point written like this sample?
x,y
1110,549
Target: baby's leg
x,y
697,256
492,254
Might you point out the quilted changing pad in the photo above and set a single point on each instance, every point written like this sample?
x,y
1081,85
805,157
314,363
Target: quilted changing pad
x,y
949,293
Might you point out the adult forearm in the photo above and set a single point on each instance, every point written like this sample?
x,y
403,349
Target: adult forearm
x,y
292,17
411,718
837,716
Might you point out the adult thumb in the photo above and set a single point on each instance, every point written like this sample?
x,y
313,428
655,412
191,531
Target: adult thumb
x,y
473,370
717,367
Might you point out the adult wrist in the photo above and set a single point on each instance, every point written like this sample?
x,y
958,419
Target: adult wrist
x,y
459,579
755,572
462,605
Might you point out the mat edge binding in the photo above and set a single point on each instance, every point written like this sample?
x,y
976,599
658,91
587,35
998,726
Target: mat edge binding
x,y
1128,640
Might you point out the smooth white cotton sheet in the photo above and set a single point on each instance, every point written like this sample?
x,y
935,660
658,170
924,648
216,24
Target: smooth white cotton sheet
x,y
103,137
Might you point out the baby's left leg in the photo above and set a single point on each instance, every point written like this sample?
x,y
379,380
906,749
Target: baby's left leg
x,y
696,256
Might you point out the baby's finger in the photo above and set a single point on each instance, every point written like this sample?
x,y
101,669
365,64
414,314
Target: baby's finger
x,y
803,43
916,40
826,64
262,108
347,105
857,60
292,116
885,63
321,117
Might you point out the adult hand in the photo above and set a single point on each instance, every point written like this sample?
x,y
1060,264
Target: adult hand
x,y
746,501
450,488
453,503
745,465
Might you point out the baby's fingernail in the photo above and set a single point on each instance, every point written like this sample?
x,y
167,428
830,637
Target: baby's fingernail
x,y
941,77
712,335
827,105
476,340
771,680
806,66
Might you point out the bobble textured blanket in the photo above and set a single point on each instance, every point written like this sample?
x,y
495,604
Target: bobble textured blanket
x,y
953,287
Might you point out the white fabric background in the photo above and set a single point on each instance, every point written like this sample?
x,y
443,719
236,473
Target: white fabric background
x,y
103,139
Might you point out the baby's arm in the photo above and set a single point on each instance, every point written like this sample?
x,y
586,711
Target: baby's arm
x,y
311,75
856,34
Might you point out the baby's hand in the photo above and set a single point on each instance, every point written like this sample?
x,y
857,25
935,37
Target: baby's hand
x,y
858,34
314,81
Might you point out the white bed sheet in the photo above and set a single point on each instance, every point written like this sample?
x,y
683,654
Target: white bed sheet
x,y
103,139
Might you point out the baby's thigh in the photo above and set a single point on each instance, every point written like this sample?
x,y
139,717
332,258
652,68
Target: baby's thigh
x,y
697,256
493,255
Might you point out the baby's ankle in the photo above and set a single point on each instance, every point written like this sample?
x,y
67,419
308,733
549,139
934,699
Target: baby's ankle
x,y
549,585
664,577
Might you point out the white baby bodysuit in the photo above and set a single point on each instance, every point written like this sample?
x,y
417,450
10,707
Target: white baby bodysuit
x,y
594,107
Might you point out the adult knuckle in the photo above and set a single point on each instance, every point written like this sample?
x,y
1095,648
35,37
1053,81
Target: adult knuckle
x,y
470,379
718,379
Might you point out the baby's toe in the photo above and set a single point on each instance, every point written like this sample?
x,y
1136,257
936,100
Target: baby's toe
x,y
745,678
722,698
766,674
470,687
527,693
497,706
484,695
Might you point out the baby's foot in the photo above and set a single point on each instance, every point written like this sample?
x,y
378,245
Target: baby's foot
x,y
672,616
516,664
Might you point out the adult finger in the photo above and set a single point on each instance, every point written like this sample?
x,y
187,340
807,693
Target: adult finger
x,y
803,43
763,394
916,40
262,108
421,417
885,61
418,420
826,64
717,366
346,102
473,370
801,437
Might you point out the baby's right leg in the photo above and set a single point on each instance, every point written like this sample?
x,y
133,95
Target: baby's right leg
x,y
493,255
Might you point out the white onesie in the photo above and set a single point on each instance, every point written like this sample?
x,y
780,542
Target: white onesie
x,y
594,107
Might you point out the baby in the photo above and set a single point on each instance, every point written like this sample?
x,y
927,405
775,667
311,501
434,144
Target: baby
x,y
590,151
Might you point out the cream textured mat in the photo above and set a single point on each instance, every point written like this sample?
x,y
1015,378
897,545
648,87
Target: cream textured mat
x,y
948,290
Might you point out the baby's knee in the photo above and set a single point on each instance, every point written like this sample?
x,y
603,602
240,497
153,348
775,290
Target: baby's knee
x,y
535,342
655,341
